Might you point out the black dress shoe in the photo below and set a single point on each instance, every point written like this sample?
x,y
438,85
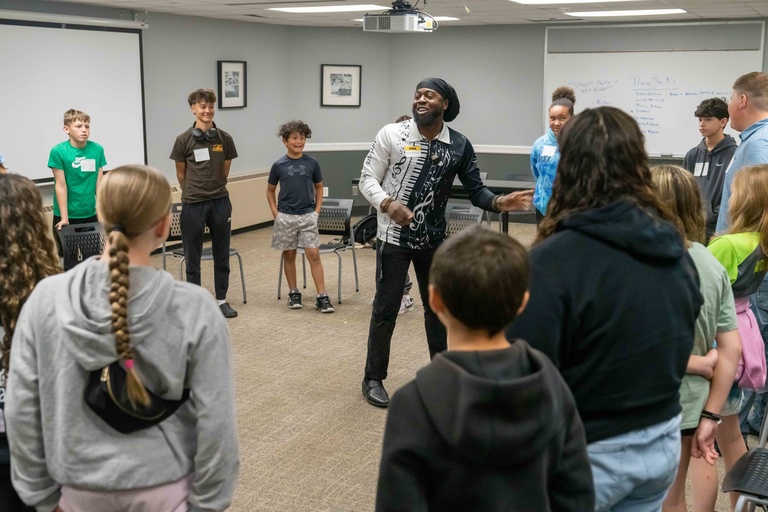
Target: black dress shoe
x,y
227,310
374,392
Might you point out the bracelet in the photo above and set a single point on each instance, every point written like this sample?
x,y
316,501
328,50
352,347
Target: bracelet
x,y
385,204
711,416
495,204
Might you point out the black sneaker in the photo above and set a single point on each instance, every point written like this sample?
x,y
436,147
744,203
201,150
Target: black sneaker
x,y
294,300
324,305
227,310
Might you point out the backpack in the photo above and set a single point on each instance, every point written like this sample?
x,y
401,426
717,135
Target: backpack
x,y
751,370
364,231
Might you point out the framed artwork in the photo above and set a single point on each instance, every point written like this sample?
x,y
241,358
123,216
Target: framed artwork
x,y
340,85
232,84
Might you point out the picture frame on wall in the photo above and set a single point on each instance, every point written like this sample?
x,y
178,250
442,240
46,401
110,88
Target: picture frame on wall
x,y
340,85
233,89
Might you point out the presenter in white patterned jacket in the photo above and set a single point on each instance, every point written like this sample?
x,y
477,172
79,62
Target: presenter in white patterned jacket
x,y
407,176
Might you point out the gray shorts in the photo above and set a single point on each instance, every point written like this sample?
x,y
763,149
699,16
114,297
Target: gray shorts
x,y
293,231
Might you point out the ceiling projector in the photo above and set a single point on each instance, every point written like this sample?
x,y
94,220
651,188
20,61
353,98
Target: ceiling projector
x,y
401,18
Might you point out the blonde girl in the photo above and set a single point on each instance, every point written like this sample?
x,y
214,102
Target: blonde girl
x,y
716,321
168,335
742,251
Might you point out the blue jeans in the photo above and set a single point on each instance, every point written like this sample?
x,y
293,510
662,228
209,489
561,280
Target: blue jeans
x,y
633,471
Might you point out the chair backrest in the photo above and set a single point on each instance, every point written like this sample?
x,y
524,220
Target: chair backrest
x,y
336,217
175,234
483,177
461,216
81,241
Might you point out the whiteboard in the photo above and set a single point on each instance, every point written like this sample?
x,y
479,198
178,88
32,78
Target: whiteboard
x,y
49,70
660,89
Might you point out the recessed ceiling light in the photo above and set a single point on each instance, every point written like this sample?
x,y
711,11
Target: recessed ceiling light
x,y
329,8
558,2
612,14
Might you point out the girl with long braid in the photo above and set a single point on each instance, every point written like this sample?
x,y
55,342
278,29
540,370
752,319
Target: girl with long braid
x,y
27,255
170,339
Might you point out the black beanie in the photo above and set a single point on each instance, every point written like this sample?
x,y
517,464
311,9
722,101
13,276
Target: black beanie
x,y
447,92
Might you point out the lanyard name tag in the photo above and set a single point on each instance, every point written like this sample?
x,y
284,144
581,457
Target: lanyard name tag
x,y
701,169
202,155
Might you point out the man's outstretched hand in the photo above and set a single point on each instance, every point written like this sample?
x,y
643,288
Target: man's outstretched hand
x,y
515,201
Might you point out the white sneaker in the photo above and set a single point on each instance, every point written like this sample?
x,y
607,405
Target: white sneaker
x,y
406,304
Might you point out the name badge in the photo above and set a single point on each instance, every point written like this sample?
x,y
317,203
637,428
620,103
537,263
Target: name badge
x,y
701,169
88,165
412,150
548,151
202,155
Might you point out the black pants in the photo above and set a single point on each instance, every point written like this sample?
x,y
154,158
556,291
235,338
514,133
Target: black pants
x,y
392,264
217,215
57,219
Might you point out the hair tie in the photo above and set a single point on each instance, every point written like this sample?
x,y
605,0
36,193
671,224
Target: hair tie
x,y
118,228
129,364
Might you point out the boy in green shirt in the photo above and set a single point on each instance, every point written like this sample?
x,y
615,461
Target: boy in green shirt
x,y
77,166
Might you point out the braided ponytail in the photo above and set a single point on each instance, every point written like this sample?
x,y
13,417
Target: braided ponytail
x,y
131,200
119,277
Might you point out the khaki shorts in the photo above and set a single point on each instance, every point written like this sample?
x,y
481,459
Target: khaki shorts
x,y
293,231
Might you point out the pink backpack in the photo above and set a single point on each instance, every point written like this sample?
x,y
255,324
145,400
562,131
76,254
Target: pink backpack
x,y
751,371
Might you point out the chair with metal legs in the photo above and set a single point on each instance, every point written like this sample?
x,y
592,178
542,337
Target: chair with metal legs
x,y
207,254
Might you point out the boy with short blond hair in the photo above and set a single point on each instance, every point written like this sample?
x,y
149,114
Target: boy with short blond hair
x,y
77,165
488,425
296,211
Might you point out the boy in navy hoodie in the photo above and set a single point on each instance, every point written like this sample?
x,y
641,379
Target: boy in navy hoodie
x,y
488,425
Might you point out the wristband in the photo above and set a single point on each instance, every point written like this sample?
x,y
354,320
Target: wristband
x,y
495,204
711,416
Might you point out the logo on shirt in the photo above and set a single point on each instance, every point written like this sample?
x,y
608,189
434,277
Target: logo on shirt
x,y
78,160
218,148
292,170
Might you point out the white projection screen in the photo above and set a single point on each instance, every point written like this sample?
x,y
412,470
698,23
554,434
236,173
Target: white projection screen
x,y
48,69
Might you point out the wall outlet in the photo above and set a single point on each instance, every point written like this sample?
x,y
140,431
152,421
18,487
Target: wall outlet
x,y
325,191
355,190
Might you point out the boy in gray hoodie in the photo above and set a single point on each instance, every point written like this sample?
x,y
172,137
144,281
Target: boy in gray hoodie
x,y
710,159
